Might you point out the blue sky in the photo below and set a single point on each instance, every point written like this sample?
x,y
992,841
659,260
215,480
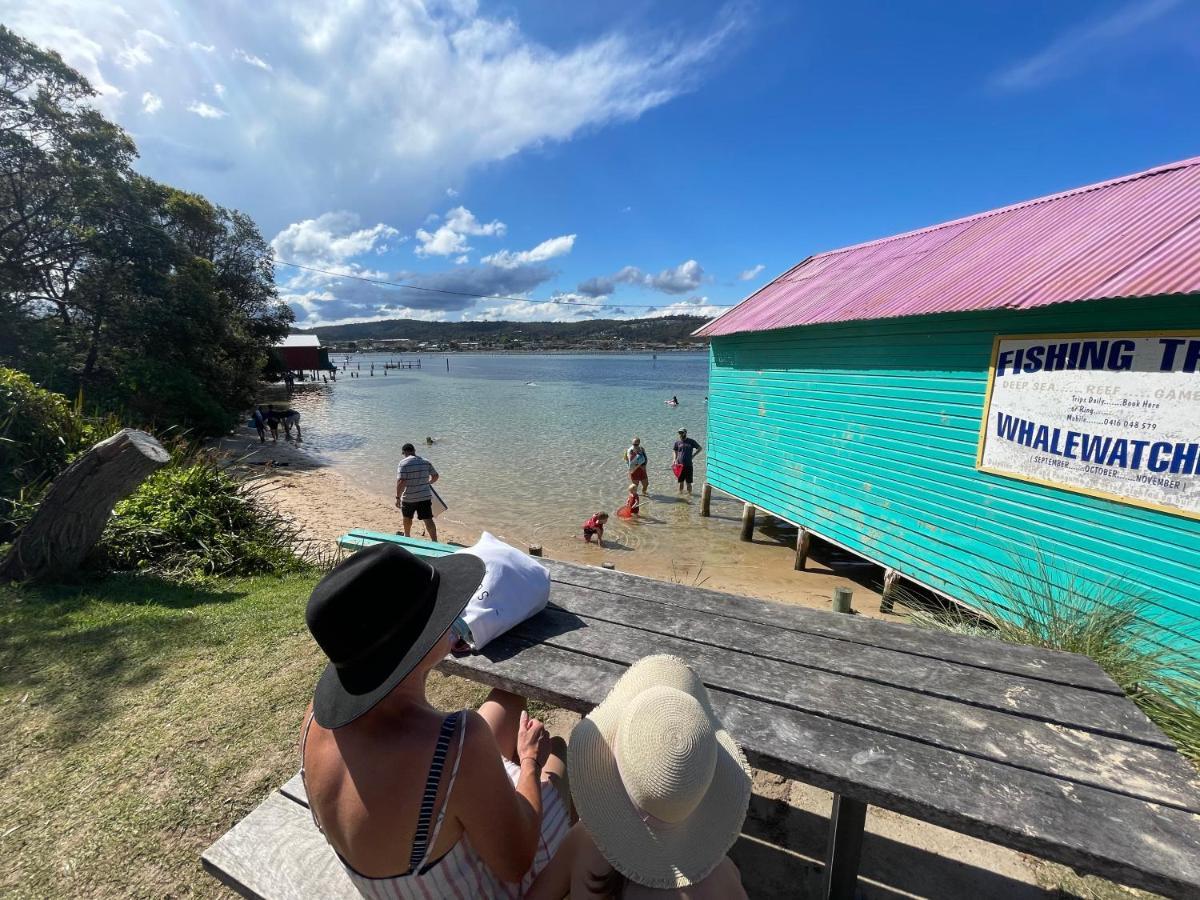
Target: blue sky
x,y
670,156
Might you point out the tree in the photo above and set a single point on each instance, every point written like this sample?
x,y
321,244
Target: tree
x,y
150,300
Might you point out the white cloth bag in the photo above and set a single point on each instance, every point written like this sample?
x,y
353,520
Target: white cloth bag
x,y
514,588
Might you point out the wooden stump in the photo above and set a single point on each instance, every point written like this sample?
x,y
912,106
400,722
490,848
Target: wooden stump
x,y
706,499
803,542
71,518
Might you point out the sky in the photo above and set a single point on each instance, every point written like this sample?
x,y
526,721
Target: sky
x,y
539,160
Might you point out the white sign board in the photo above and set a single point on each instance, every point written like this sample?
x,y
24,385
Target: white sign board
x,y
1110,415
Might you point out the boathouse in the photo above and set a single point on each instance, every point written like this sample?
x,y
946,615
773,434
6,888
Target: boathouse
x,y
989,404
299,353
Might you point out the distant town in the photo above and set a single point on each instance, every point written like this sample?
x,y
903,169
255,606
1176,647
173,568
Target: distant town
x,y
663,334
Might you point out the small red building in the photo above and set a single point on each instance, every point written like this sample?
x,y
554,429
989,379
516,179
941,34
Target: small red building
x,y
300,352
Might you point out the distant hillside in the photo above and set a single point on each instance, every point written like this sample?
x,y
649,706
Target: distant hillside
x,y
664,330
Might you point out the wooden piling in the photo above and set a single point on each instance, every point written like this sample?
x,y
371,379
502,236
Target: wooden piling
x,y
803,540
887,602
748,522
705,499
535,549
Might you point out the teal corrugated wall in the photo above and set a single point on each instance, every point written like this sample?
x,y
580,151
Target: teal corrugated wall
x,y
866,433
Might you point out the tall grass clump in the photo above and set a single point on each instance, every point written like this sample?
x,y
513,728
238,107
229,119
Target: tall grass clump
x,y
1045,607
196,518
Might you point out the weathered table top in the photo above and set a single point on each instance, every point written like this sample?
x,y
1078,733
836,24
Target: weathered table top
x,y
1033,749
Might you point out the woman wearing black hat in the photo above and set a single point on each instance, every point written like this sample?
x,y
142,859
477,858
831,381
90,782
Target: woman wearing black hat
x,y
417,803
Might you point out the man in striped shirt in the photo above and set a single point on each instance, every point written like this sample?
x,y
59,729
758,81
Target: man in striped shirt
x,y
413,492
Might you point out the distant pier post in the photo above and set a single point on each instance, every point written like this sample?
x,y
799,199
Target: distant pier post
x,y
705,499
747,522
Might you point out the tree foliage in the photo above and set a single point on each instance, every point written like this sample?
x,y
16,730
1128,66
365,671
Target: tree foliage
x,y
150,300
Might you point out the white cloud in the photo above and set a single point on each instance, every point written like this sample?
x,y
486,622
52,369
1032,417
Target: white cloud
x,y
151,102
137,52
373,107
205,111
333,237
462,260
752,273
1079,46
450,238
557,309
548,249
451,193
250,59
692,306
218,89
687,276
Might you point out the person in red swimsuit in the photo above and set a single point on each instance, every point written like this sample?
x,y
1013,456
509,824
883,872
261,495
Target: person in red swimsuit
x,y
594,528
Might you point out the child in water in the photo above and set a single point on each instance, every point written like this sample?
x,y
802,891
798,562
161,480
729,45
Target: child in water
x,y
594,528
632,500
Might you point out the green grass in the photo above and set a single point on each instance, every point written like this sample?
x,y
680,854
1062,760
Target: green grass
x,y
142,718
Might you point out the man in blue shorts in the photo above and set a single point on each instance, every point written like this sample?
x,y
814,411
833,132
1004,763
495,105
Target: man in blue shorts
x,y
685,449
413,492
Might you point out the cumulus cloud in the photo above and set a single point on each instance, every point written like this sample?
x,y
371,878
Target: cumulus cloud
x,y
218,89
151,102
692,306
333,237
685,277
319,298
548,249
450,238
206,111
137,51
752,273
252,60
371,107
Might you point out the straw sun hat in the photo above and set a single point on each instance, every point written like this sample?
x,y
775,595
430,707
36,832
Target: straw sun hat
x,y
660,785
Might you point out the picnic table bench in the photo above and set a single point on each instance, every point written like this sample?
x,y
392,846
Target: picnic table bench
x,y
359,538
1032,749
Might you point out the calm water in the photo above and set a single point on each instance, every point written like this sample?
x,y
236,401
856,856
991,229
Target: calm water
x,y
528,446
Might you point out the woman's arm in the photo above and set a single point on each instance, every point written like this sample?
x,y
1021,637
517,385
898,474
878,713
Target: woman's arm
x,y
504,825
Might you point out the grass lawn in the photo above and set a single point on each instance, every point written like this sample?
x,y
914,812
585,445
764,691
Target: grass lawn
x,y
140,719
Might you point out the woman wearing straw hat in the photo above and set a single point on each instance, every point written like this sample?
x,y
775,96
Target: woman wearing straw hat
x,y
661,789
417,803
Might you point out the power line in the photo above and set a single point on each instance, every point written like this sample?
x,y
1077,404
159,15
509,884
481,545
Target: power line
x,y
478,296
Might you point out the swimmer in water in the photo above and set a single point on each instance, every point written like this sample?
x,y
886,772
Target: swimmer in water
x,y
429,441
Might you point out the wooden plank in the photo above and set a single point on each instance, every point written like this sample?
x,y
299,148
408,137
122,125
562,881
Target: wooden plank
x,y
1092,711
293,789
1149,773
356,540
1131,841
277,853
1047,665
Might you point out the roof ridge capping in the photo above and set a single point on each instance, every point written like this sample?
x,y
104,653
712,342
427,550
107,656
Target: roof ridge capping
x,y
987,272
974,217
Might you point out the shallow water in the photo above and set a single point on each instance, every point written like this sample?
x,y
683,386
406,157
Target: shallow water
x,y
528,446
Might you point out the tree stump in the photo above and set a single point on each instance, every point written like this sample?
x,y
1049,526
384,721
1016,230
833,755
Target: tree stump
x,y
71,518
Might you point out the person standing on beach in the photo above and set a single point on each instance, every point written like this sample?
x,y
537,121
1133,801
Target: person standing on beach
x,y
636,457
414,494
684,451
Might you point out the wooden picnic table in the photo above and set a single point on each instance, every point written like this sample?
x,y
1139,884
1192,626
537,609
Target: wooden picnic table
x,y
1036,750
1032,749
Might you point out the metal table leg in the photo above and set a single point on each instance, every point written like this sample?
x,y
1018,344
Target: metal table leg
x,y
846,824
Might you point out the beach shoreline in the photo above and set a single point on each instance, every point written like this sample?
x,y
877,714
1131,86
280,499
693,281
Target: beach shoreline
x,y
325,502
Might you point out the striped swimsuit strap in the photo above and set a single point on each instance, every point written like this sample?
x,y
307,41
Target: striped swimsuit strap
x,y
422,840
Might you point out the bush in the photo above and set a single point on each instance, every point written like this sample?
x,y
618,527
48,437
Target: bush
x,y
39,432
194,518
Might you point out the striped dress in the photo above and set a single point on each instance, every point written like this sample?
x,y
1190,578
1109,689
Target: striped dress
x,y
461,873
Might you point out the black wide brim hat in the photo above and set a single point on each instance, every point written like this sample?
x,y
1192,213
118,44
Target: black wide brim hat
x,y
376,615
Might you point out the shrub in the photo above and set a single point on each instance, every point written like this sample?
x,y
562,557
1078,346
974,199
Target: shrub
x,y
39,431
1043,607
194,518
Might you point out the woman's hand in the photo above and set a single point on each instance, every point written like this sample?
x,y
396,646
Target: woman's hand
x,y
532,741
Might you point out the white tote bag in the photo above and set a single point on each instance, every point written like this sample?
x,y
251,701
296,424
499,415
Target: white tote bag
x,y
514,588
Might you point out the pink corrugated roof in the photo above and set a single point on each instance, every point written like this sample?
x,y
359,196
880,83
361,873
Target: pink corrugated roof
x,y
1135,236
